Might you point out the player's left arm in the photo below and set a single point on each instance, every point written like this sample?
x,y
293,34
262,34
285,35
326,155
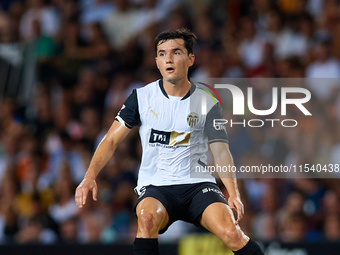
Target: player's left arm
x,y
223,157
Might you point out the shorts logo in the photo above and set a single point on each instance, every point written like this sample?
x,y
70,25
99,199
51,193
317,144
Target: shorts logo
x,y
192,119
169,138
205,190
142,192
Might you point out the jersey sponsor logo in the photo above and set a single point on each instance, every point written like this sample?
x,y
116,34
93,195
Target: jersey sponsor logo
x,y
161,137
152,111
170,139
192,119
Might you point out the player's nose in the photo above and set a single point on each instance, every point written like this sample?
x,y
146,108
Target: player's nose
x,y
168,58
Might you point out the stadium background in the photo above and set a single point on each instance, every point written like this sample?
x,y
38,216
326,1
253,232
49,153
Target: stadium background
x,y
67,66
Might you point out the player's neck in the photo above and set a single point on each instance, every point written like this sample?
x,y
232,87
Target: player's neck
x,y
178,89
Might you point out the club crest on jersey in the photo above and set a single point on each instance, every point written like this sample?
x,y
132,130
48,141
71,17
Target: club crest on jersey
x,y
192,119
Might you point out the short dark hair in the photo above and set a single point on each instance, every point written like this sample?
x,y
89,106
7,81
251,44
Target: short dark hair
x,y
181,33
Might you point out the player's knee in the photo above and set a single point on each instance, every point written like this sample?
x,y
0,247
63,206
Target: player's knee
x,y
230,236
149,221
231,233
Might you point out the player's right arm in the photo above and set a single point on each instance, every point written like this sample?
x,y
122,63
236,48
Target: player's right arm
x,y
103,153
127,118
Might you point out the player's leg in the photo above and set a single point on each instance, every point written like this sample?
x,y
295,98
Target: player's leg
x,y
219,219
152,217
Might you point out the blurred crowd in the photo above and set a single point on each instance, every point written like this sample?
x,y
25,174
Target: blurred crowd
x,y
76,61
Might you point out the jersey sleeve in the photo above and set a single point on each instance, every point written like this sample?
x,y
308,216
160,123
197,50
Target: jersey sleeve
x,y
128,115
215,131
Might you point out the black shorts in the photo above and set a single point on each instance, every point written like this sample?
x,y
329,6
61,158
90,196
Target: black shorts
x,y
185,201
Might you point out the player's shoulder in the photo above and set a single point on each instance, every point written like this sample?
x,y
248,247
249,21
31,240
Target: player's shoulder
x,y
152,86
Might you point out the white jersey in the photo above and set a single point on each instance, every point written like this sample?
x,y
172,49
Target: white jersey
x,y
174,133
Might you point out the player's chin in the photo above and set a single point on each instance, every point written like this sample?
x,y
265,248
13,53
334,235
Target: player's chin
x,y
172,79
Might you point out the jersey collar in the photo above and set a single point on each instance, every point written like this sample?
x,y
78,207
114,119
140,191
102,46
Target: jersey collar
x,y
192,89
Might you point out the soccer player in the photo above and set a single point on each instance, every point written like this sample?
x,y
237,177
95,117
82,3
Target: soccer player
x,y
176,130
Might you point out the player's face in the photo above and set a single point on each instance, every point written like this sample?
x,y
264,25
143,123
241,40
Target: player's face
x,y
173,60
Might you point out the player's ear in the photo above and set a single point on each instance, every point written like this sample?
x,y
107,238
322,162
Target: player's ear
x,y
191,59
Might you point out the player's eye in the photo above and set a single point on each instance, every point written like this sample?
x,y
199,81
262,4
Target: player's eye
x,y
161,54
177,53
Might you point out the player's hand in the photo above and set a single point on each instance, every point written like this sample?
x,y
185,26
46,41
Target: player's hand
x,y
236,204
88,184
